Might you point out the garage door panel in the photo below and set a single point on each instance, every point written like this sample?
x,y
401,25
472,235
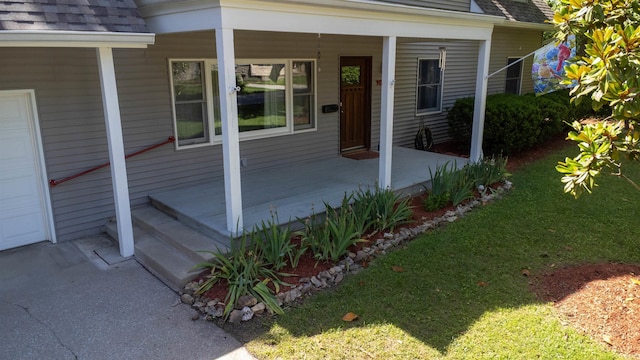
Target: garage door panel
x,y
18,192
22,212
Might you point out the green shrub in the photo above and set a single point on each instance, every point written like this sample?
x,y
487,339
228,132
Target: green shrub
x,y
514,123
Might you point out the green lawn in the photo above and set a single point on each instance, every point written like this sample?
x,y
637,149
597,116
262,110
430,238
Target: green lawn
x,y
436,307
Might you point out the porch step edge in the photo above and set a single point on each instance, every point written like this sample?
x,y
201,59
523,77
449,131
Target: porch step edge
x,y
220,237
162,260
188,240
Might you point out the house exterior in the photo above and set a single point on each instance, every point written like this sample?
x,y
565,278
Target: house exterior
x,y
241,85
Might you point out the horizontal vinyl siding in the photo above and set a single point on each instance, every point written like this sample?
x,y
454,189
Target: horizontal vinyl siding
x,y
512,43
456,5
67,88
459,81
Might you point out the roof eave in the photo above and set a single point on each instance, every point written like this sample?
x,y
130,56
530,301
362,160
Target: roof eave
x,y
83,39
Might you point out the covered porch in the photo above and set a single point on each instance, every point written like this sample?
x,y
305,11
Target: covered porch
x,y
296,192
238,200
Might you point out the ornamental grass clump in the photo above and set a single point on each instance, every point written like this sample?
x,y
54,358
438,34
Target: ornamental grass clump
x,y
385,209
275,243
245,272
330,238
449,185
439,195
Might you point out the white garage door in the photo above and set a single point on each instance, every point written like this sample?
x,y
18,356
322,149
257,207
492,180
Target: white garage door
x,y
23,215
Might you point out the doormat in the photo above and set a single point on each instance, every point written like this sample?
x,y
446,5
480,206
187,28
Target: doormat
x,y
361,155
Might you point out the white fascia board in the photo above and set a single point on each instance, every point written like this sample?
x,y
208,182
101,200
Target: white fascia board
x,y
74,39
184,21
340,17
354,24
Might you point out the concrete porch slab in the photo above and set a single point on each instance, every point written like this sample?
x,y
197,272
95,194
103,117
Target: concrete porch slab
x,y
295,192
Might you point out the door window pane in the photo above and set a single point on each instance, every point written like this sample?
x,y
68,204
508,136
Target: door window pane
x,y
350,75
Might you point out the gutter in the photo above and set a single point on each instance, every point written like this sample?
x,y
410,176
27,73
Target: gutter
x,y
75,39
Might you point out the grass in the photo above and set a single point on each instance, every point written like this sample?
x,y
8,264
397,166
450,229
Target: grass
x,y
462,294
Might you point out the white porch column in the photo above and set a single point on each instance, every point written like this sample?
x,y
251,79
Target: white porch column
x,y
477,129
113,123
386,111
230,134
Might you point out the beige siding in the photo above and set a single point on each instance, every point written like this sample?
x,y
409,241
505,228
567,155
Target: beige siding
x,y
456,5
459,81
512,43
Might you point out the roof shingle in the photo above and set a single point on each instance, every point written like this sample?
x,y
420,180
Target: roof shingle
x,y
532,11
77,15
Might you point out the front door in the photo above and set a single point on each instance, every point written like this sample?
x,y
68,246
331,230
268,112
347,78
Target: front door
x,y
355,102
22,211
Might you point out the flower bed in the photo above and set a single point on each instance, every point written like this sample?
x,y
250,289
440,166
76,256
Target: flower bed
x,y
213,295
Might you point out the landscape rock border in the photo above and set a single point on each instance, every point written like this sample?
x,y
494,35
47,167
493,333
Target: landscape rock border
x,y
248,306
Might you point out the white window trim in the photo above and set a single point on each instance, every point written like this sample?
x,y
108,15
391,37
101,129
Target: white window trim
x,y
442,69
289,129
521,73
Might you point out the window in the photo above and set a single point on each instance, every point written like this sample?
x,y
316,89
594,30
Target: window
x,y
276,97
303,95
514,76
190,105
429,88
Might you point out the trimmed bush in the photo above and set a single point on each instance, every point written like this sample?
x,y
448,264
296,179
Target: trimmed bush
x,y
514,123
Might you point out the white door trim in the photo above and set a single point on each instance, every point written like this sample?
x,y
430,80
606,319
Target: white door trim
x,y
34,126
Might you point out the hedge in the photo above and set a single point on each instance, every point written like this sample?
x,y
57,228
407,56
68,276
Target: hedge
x,y
514,123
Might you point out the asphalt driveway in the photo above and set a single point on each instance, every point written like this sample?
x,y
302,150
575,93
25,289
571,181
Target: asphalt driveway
x,y
63,301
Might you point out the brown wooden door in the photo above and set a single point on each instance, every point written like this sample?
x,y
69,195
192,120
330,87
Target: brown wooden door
x,y
355,100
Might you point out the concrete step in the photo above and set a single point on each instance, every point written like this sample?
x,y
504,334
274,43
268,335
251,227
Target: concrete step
x,y
189,241
173,267
165,247
162,259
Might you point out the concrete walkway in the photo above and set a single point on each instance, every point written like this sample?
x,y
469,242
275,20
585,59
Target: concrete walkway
x,y
62,301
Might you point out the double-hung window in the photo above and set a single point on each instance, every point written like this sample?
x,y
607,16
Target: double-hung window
x,y
276,97
514,76
429,87
190,103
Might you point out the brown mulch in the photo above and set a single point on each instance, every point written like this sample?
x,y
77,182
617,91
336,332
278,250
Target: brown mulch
x,y
600,300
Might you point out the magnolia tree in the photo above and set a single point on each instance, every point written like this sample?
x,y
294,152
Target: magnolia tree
x,y
608,72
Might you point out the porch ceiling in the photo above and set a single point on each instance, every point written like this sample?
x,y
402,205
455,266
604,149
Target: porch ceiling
x,y
294,191
341,17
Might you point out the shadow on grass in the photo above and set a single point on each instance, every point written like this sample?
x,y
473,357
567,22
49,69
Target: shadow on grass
x,y
454,275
